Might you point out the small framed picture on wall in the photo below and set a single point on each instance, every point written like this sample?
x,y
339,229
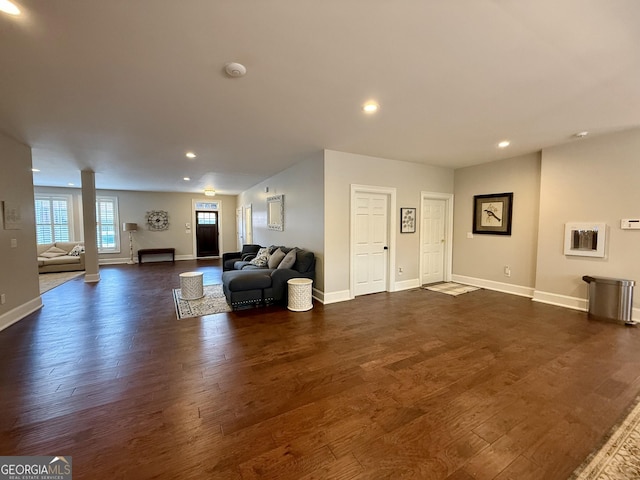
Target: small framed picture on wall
x,y
407,220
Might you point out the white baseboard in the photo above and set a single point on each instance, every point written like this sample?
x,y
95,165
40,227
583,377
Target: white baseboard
x,y
120,261
335,297
406,285
112,261
491,285
91,278
18,313
573,303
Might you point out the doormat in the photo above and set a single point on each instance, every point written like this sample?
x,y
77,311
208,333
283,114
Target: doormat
x,y
451,288
213,302
618,457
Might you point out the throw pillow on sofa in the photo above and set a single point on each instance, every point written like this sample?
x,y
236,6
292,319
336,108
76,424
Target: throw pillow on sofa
x,y
76,251
53,252
275,258
262,258
289,259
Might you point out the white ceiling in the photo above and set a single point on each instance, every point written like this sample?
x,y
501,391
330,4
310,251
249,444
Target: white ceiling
x,y
127,87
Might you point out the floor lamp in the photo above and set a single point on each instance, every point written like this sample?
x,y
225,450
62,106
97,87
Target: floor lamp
x,y
130,227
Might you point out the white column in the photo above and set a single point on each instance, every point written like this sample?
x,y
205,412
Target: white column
x,y
92,271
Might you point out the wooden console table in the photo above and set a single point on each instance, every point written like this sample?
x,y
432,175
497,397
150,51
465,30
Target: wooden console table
x,y
156,251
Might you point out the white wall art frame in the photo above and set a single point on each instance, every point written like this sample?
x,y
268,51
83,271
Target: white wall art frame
x,y
275,212
585,239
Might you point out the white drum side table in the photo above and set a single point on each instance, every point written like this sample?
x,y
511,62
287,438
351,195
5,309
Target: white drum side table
x,y
191,285
300,294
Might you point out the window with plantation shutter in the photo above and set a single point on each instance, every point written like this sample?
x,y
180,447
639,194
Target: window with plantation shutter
x,y
107,231
53,218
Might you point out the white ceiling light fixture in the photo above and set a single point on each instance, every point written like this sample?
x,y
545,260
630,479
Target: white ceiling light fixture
x,y
190,155
504,144
370,107
209,192
581,134
8,7
186,179
234,69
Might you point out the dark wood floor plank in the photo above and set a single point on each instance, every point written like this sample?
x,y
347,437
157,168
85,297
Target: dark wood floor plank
x,y
413,384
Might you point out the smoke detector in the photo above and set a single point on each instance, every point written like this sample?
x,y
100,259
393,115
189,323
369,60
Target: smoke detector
x,y
235,69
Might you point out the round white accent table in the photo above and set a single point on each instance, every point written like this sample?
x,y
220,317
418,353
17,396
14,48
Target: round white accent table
x,y
191,286
300,294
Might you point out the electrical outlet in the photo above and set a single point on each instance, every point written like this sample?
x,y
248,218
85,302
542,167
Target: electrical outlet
x,y
3,299
507,271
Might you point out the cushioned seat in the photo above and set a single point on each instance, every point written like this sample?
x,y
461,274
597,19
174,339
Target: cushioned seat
x,y
60,257
244,288
249,251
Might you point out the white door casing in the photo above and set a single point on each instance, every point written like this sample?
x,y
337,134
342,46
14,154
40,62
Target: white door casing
x,y
248,224
436,233
372,241
239,230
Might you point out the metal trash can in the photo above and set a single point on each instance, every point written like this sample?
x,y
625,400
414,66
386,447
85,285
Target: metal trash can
x,y
611,298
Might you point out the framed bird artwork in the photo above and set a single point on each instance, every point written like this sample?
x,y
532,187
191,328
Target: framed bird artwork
x,y
492,213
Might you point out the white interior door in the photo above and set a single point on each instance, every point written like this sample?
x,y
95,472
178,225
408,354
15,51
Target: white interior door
x,y
433,240
370,243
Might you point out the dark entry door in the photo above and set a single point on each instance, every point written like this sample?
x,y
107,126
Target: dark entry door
x,y
207,234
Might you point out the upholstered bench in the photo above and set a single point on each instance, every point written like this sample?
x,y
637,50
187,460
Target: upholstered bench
x,y
156,251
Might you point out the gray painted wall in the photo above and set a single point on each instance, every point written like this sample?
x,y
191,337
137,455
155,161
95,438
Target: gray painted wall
x,y
589,180
410,179
485,256
303,188
18,265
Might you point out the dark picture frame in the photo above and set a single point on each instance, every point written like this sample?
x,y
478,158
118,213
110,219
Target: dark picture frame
x,y
492,213
407,220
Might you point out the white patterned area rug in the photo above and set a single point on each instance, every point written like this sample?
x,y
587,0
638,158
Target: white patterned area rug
x,y
213,302
451,288
53,280
619,458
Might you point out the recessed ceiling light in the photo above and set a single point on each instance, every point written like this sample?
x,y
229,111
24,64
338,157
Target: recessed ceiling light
x,y
370,107
504,144
186,179
582,134
190,155
35,169
8,7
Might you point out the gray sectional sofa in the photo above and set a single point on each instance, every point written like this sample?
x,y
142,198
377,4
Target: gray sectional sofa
x,y
249,284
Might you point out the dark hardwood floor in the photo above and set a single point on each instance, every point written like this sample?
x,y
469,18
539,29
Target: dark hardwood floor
x,y
413,384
